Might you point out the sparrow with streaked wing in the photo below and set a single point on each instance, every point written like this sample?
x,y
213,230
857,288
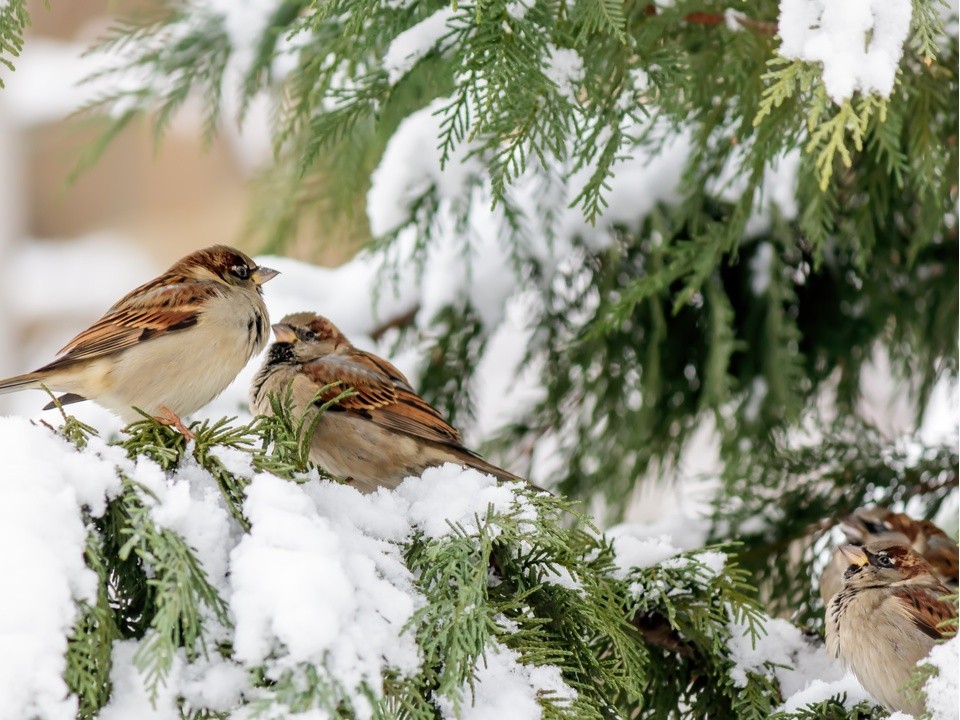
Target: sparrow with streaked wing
x,y
886,618
170,346
374,438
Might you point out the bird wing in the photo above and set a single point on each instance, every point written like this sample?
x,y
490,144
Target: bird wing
x,y
162,306
926,608
383,395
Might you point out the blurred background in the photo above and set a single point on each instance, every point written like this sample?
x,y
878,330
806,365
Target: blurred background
x,y
139,205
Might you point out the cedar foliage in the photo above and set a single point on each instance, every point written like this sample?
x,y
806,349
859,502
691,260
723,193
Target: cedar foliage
x,y
153,589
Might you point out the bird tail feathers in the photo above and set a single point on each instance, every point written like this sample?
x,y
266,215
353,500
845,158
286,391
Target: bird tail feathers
x,y
19,382
483,466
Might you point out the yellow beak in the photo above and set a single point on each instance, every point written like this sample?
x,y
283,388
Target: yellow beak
x,y
854,555
262,274
284,333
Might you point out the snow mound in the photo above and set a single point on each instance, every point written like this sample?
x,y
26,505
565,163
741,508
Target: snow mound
x,y
859,42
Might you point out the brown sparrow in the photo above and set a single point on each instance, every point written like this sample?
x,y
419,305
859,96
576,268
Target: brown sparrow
x,y
375,438
886,618
868,525
170,346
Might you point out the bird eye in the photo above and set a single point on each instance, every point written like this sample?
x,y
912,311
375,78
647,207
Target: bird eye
x,y
240,271
884,561
309,335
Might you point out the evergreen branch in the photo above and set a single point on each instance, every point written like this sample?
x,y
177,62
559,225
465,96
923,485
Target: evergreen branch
x,y
89,647
286,437
177,584
14,20
834,708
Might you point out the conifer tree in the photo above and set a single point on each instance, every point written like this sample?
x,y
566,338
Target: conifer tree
x,y
712,223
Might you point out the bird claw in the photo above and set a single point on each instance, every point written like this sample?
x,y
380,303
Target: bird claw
x,y
169,417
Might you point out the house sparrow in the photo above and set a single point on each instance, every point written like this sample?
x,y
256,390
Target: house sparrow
x,y
874,524
170,346
886,618
375,438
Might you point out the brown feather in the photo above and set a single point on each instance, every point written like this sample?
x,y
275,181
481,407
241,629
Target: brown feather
x,y
925,607
152,310
383,395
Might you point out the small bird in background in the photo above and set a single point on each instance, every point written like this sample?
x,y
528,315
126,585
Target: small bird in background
x,y
868,525
170,346
375,438
886,618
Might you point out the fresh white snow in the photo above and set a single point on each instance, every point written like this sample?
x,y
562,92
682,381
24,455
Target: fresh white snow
x,y
44,484
410,46
859,42
504,688
943,689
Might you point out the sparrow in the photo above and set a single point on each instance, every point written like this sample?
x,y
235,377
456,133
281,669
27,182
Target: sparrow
x,y
168,347
886,618
373,438
873,524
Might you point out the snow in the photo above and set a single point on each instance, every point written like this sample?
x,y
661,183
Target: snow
x,y
819,690
437,503
191,506
410,46
517,9
712,560
130,697
795,661
411,165
758,393
565,70
631,552
307,591
57,67
859,42
760,268
244,21
943,689
43,485
777,192
504,688
320,578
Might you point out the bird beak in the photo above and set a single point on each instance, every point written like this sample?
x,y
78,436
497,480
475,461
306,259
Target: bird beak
x,y
854,555
262,274
284,333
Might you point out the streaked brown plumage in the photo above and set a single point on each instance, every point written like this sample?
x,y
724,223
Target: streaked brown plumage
x,y
168,347
375,438
886,618
867,525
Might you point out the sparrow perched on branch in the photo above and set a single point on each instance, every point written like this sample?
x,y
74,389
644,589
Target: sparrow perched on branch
x,y
886,618
170,346
868,525
377,436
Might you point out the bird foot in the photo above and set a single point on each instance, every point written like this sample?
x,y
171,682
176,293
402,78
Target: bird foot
x,y
169,417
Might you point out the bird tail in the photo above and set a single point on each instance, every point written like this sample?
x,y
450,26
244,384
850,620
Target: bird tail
x,y
482,465
19,382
